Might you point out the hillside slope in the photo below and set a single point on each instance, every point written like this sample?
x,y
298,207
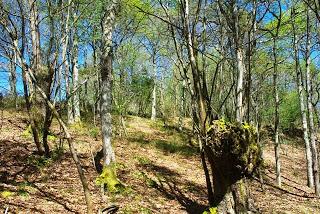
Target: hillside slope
x,y
159,166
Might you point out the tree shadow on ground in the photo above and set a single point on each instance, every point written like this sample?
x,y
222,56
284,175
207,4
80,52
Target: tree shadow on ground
x,y
18,167
300,193
10,205
184,148
174,187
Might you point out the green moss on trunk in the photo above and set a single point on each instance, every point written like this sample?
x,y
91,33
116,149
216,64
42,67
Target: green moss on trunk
x,y
233,154
108,178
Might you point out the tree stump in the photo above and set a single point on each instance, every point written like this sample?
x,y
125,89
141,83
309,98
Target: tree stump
x,y
233,155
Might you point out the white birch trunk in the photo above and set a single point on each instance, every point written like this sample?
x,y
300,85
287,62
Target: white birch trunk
x,y
75,75
303,110
310,109
276,115
241,72
154,94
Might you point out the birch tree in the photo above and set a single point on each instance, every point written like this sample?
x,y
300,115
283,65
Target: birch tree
x,y
302,100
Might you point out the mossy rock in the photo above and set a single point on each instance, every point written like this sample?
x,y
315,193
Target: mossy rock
x,y
233,148
109,179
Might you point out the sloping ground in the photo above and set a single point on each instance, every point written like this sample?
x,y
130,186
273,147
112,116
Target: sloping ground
x,y
294,196
159,166
160,170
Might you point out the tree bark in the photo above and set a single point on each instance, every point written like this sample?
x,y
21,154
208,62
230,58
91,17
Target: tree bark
x,y
302,104
310,110
13,77
276,114
107,23
75,74
154,91
239,92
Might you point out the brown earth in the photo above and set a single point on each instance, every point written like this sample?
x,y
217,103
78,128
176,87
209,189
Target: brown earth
x,y
159,166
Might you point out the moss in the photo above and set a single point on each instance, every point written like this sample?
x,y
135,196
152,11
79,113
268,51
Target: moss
x,y
109,179
212,210
6,194
218,124
27,134
52,138
236,144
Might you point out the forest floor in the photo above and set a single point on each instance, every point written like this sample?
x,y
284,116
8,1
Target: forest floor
x,y
159,166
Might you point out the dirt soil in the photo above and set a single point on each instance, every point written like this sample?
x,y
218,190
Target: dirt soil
x,y
159,166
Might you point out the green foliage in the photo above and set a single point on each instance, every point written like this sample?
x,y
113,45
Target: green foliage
x,y
41,162
143,160
52,138
131,9
27,134
94,132
38,161
290,110
23,189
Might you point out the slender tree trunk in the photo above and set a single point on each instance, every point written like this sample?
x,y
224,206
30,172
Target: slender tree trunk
x,y
310,109
200,112
65,62
154,92
182,104
19,55
241,72
33,125
302,106
276,114
75,71
35,66
13,78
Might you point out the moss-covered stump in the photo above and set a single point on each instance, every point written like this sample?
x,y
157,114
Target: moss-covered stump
x,y
108,179
233,154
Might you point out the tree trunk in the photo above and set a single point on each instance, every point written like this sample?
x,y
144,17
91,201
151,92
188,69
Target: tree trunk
x,y
106,82
35,66
239,97
302,105
13,77
20,57
182,108
73,151
154,93
106,108
276,114
310,110
75,74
